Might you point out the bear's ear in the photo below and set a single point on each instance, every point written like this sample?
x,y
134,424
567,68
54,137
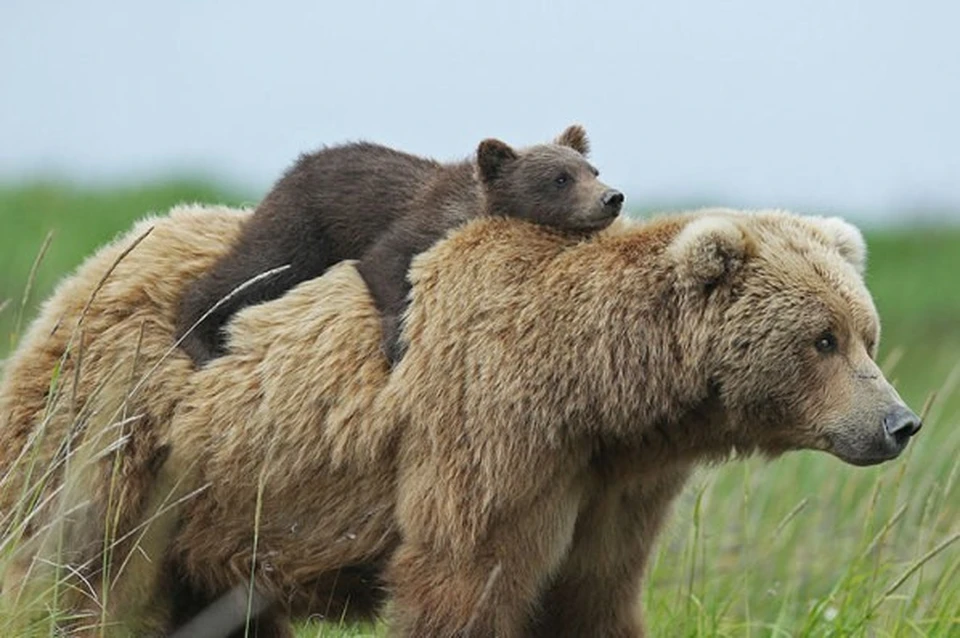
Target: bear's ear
x,y
492,157
847,239
576,138
707,251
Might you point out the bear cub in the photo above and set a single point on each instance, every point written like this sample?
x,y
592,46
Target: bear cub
x,y
381,206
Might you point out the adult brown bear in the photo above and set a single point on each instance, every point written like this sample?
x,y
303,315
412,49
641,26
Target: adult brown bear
x,y
508,478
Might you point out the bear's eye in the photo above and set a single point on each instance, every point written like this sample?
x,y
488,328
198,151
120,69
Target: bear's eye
x,y
562,179
595,172
826,343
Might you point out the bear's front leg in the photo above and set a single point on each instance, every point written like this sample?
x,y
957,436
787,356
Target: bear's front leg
x,y
433,597
391,344
446,585
596,592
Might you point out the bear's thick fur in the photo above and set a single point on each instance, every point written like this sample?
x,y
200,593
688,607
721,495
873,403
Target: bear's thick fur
x,y
69,386
510,476
369,202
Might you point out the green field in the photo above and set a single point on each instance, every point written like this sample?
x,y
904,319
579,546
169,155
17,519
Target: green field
x,y
802,546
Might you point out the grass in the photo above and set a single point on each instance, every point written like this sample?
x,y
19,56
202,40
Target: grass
x,y
803,546
79,219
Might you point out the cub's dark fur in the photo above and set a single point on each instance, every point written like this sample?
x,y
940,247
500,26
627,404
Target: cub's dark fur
x,y
368,202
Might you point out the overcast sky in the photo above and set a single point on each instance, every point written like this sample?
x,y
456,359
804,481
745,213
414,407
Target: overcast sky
x,y
830,106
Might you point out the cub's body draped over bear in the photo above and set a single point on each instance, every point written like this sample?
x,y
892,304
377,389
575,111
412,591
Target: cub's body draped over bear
x,y
507,478
365,201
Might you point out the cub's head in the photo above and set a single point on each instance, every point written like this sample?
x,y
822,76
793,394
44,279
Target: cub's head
x,y
794,334
550,184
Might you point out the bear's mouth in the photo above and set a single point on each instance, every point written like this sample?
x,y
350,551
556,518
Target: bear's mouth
x,y
864,452
874,455
597,223
866,461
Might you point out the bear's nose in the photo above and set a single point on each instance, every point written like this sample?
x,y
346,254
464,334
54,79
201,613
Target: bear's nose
x,y
613,200
901,423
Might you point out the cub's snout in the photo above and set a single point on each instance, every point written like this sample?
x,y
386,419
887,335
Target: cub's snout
x,y
613,201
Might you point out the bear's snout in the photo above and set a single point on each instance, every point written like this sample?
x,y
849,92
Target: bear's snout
x,y
900,424
883,440
612,201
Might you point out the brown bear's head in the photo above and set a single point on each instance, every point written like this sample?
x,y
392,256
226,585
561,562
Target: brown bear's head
x,y
550,184
792,358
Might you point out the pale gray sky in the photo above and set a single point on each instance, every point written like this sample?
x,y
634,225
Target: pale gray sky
x,y
833,106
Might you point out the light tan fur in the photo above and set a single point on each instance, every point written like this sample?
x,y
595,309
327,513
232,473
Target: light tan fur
x,y
510,476
56,420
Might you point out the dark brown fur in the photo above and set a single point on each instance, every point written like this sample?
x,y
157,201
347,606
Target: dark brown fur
x,y
330,206
371,202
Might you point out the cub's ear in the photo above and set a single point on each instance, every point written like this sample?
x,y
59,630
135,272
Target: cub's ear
x,y
707,251
576,138
492,157
846,238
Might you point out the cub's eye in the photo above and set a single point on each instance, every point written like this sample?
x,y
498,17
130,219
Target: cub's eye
x,y
595,172
562,179
826,343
